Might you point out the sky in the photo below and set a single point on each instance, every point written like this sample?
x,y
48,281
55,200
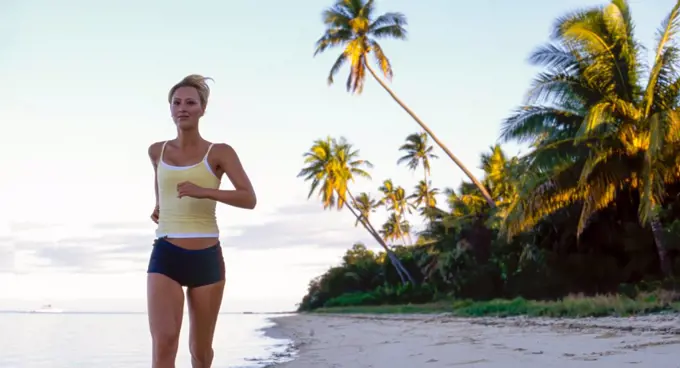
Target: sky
x,y
83,95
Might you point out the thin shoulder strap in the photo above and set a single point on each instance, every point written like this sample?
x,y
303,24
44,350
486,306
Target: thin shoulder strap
x,y
163,150
207,153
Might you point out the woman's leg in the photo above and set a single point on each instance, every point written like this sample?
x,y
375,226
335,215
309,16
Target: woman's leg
x,y
165,300
204,305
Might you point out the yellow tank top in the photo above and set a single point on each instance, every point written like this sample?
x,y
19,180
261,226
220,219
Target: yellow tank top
x,y
185,217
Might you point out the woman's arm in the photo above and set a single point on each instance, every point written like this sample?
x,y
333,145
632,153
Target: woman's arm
x,y
243,195
154,152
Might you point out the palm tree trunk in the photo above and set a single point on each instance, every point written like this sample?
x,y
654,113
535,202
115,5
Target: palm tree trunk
x,y
401,217
407,233
441,145
393,257
403,239
398,266
426,204
657,231
390,253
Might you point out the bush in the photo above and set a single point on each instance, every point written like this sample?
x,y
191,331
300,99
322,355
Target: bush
x,y
386,294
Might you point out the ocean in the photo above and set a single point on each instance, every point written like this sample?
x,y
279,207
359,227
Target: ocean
x,y
122,340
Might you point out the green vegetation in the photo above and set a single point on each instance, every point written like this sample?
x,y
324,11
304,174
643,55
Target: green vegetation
x,y
592,210
567,307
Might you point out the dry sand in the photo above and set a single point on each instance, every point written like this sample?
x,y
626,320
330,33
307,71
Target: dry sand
x,y
431,341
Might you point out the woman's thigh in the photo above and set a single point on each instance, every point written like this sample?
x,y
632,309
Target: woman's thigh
x,y
165,302
204,306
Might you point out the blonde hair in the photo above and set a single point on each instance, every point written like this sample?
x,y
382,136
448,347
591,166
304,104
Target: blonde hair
x,y
196,81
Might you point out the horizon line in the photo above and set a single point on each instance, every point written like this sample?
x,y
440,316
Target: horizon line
x,y
127,312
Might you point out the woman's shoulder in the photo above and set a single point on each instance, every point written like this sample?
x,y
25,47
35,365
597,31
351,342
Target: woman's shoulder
x,y
223,148
155,149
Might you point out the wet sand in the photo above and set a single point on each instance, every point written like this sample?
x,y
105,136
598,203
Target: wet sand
x,y
432,341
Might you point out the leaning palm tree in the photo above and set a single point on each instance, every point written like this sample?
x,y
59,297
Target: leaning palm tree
x,y
347,163
418,153
331,165
353,25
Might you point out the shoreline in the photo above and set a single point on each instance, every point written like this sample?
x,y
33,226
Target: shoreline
x,y
442,340
285,348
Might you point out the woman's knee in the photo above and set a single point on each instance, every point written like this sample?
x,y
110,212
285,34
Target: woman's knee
x,y
165,343
201,353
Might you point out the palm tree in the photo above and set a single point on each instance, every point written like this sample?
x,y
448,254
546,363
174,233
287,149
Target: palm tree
x,y
424,197
417,152
353,25
599,129
365,204
394,228
331,165
501,177
403,206
395,200
466,204
387,189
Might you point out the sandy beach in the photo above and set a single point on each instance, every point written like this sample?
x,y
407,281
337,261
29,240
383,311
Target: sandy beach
x,y
413,341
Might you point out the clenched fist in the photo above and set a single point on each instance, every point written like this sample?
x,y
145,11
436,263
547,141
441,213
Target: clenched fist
x,y
154,214
189,189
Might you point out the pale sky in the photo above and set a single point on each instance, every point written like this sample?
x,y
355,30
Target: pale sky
x,y
83,94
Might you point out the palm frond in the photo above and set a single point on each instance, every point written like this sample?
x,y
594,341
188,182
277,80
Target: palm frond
x,y
332,38
388,20
382,60
341,60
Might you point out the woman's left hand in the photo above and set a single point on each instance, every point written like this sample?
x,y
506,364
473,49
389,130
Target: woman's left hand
x,y
189,189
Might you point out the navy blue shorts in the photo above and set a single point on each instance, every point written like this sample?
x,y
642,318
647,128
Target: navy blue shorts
x,y
191,268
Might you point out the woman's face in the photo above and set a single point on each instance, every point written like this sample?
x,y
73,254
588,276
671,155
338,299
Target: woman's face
x,y
186,108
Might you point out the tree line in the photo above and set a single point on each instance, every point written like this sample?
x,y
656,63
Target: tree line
x,y
591,208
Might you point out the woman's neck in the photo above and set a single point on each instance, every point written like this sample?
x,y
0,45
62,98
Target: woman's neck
x,y
189,138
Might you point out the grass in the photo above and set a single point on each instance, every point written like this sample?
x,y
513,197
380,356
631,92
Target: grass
x,y
571,306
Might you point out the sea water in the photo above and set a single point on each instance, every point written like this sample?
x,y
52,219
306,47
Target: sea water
x,y
122,340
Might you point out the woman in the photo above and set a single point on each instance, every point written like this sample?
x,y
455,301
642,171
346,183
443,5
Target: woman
x,y
187,252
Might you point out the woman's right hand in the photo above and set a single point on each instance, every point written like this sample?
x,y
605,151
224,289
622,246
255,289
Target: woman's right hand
x,y
154,214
